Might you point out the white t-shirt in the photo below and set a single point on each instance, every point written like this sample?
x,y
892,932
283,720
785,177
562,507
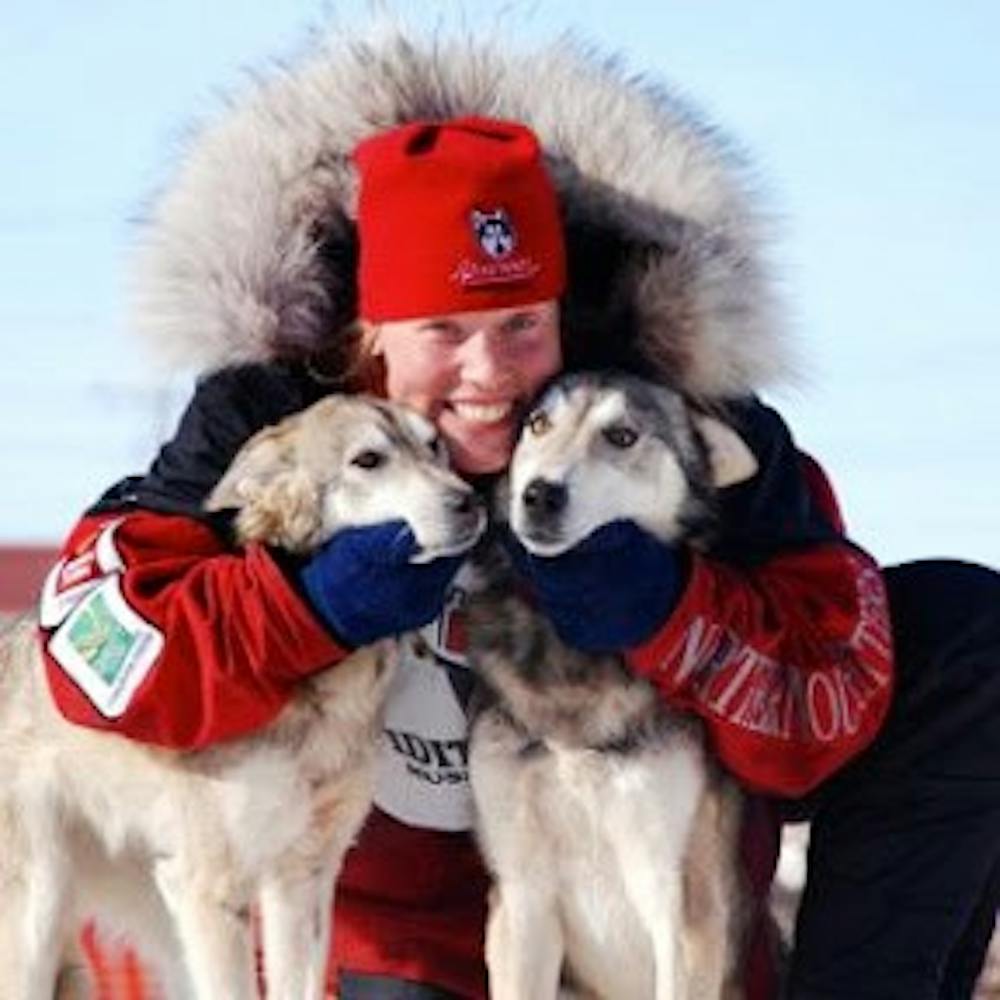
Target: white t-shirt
x,y
422,776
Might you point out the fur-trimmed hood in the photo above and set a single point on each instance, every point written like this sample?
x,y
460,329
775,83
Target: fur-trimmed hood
x,y
249,254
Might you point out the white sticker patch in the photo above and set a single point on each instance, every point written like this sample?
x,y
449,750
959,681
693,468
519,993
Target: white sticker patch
x,y
56,604
108,556
107,648
72,579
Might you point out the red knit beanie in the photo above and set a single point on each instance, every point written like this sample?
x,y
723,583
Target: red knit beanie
x,y
455,216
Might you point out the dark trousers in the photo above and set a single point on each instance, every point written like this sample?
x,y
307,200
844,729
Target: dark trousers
x,y
358,987
904,859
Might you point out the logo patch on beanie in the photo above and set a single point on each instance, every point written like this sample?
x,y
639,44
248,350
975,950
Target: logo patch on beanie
x,y
497,238
495,232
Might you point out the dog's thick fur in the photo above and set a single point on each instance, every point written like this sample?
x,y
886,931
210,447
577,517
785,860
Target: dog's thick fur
x,y
611,832
91,822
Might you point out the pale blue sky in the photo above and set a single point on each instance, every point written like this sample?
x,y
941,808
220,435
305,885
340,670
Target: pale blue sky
x,y
875,129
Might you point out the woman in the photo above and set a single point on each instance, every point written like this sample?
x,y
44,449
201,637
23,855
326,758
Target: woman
x,y
478,271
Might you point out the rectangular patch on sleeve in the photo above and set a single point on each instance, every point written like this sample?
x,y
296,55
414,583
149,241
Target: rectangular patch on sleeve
x,y
72,578
106,647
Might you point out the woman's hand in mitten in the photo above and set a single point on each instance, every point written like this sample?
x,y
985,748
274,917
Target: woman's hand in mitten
x,y
609,592
365,585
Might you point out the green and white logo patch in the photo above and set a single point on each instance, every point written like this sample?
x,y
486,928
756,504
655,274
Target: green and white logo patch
x,y
107,648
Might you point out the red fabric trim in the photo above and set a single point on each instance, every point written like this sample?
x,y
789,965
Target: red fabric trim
x,y
822,491
412,903
118,972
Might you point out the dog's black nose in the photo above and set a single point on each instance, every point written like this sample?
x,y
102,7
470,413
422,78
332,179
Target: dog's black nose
x,y
542,497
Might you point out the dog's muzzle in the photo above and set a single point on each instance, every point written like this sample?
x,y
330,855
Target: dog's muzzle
x,y
544,501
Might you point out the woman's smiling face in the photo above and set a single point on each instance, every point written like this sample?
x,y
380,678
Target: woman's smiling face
x,y
472,374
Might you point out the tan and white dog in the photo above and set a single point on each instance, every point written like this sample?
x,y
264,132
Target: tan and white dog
x,y
610,831
176,847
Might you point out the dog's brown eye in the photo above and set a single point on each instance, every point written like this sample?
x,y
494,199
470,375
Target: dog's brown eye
x,y
368,459
538,422
620,437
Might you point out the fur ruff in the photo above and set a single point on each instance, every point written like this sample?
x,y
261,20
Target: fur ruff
x,y
249,254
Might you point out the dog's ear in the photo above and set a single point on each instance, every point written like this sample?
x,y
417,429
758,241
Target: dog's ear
x,y
278,501
263,457
731,459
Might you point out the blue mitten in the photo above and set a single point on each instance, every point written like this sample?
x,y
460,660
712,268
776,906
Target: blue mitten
x,y
610,592
364,586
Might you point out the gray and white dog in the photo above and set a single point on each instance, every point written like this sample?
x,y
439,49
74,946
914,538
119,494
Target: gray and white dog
x,y
610,831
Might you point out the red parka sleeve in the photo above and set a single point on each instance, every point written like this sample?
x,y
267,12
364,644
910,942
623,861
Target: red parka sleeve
x,y
789,664
152,628
781,642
